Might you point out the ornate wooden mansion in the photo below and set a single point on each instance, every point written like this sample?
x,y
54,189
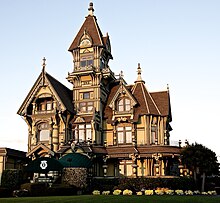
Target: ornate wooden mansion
x,y
123,130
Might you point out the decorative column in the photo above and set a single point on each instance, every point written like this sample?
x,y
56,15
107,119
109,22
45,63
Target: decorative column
x,y
104,166
165,137
157,165
55,137
51,133
134,165
34,108
114,136
34,134
181,166
134,141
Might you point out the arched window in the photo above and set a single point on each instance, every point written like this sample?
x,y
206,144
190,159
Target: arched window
x,y
43,132
124,104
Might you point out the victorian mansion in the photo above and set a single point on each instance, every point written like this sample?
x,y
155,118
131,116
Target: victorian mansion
x,y
122,129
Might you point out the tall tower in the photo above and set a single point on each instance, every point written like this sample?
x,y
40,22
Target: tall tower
x,y
91,78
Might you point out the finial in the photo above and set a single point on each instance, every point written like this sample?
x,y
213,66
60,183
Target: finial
x,y
168,88
139,72
121,75
91,9
44,64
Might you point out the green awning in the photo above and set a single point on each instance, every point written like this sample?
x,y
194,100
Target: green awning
x,y
44,165
76,160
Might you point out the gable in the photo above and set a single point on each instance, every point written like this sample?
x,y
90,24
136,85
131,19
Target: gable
x,y
122,91
47,86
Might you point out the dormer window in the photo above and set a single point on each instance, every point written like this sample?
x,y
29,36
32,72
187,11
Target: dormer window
x,y
124,104
124,134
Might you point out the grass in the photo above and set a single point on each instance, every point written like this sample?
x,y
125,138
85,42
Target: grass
x,y
112,199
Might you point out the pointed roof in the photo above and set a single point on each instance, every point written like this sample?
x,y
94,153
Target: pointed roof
x,y
146,103
61,92
64,93
162,100
91,27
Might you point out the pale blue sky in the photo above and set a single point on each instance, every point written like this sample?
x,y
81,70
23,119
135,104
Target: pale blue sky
x,y
177,42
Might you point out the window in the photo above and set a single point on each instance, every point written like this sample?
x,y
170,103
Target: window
x,y
86,61
83,132
86,95
43,132
45,104
125,168
86,106
124,135
124,104
153,134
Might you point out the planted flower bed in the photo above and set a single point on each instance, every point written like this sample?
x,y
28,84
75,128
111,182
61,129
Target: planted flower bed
x,y
158,191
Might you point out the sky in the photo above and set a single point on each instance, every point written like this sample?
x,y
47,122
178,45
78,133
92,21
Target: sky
x,y
177,42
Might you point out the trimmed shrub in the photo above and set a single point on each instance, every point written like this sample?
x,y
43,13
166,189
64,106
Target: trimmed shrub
x,y
138,184
5,192
12,179
61,190
35,189
42,189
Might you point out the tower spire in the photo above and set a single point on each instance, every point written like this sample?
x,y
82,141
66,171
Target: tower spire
x,y
139,78
91,9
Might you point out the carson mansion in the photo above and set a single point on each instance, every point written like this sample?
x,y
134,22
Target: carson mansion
x,y
116,129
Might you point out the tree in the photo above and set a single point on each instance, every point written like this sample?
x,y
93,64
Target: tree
x,y
201,161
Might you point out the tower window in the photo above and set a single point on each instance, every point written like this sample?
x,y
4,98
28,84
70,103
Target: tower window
x,y
86,106
86,61
86,95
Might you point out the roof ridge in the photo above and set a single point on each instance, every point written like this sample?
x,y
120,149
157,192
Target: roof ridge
x,y
98,29
145,99
154,103
46,73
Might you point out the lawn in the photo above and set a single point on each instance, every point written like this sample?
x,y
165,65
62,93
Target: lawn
x,y
112,199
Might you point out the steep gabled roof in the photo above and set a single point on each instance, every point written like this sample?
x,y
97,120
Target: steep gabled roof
x,y
91,27
62,93
162,100
146,103
107,110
